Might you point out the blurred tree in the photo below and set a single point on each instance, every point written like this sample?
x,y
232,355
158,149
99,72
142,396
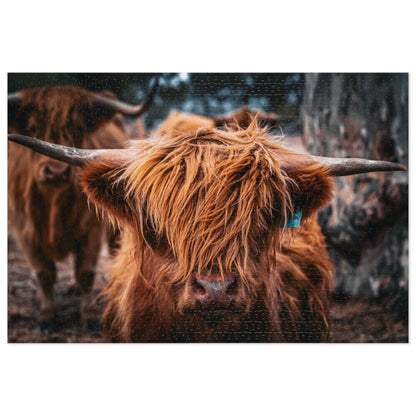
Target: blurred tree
x,y
366,226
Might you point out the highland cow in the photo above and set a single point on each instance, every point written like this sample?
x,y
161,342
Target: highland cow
x,y
179,123
211,248
48,213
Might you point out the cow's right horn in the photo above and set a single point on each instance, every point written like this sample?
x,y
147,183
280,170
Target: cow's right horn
x,y
352,166
127,109
71,155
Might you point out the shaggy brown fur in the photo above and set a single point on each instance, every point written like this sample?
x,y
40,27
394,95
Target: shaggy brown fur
x,y
210,204
243,117
50,219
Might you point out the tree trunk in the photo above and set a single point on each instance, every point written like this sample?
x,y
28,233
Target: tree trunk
x,y
366,225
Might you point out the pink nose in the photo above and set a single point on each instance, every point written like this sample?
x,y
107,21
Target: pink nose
x,y
214,294
56,172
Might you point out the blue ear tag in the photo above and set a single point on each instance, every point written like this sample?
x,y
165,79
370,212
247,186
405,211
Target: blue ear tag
x,y
294,220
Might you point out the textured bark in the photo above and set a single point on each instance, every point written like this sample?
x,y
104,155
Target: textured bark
x,y
366,225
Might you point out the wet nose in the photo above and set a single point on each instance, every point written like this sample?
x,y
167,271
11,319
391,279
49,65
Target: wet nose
x,y
56,172
218,294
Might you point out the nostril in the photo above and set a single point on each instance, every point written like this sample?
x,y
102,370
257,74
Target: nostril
x,y
66,173
232,289
197,287
48,173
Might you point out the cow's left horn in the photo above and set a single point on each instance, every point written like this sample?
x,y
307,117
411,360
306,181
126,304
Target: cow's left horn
x,y
71,155
127,109
351,166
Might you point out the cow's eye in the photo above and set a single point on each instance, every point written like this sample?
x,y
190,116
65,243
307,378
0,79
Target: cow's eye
x,y
156,241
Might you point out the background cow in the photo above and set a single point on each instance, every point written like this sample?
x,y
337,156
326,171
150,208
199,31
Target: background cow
x,y
244,116
178,122
48,214
206,252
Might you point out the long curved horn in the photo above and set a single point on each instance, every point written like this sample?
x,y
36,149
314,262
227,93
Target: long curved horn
x,y
351,166
71,155
127,109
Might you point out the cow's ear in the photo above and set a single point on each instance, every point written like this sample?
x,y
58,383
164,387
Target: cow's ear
x,y
105,186
311,188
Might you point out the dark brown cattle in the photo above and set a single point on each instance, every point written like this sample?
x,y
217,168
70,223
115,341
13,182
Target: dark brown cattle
x,y
48,213
209,252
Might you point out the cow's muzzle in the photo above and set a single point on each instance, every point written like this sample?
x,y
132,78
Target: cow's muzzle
x,y
55,173
214,294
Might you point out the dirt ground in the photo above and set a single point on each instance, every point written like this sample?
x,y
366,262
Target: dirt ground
x,y
354,320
